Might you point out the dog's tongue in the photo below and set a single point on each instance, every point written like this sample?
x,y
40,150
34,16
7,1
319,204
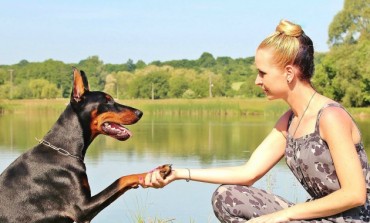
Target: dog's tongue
x,y
124,131
117,131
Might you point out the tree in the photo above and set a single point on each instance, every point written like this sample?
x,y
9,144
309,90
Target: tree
x,y
206,60
111,85
130,65
50,91
178,85
350,24
150,85
200,86
344,72
93,67
23,63
36,87
4,76
218,85
41,88
249,89
22,90
158,82
140,64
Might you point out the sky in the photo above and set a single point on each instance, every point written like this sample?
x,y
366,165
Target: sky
x,y
150,30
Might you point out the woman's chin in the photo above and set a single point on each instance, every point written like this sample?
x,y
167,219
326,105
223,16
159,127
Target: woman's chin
x,y
270,97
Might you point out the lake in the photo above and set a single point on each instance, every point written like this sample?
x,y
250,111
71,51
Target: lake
x,y
184,141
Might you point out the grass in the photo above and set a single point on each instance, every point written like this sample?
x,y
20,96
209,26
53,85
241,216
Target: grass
x,y
25,104
195,107
139,215
214,106
200,107
140,219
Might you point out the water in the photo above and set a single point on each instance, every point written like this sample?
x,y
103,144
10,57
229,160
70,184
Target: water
x,y
189,142
181,200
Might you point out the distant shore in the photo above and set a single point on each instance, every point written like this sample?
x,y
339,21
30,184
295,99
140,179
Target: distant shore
x,y
200,107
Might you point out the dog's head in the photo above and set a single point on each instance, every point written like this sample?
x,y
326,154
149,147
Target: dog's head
x,y
104,115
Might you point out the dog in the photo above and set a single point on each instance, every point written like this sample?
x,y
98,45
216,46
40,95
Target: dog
x,y
49,182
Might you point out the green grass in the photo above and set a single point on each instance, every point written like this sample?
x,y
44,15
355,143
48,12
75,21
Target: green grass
x,y
214,106
196,107
139,215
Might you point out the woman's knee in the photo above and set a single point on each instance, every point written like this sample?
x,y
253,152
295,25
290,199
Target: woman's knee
x,y
227,204
219,201
218,198
238,203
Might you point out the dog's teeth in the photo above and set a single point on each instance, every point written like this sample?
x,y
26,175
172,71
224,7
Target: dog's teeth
x,y
116,129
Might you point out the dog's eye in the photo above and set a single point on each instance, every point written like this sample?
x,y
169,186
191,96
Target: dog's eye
x,y
109,99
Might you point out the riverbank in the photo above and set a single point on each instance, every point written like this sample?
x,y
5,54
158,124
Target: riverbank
x,y
198,107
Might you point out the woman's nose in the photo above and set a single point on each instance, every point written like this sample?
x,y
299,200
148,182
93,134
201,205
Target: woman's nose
x,y
258,80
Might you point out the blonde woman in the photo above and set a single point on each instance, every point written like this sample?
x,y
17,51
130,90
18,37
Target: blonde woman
x,y
318,138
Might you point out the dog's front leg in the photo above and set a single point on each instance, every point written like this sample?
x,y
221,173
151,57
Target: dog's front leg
x,y
100,201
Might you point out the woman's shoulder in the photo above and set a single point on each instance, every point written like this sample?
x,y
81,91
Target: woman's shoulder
x,y
333,111
283,122
334,116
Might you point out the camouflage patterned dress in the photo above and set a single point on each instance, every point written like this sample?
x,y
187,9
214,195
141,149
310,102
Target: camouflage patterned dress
x,y
309,159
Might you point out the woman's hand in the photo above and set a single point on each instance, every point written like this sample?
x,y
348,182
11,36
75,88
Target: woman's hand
x,y
155,179
276,217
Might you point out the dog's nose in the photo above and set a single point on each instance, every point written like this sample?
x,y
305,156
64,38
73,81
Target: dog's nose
x,y
138,113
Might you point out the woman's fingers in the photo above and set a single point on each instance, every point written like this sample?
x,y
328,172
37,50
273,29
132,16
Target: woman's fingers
x,y
157,180
152,179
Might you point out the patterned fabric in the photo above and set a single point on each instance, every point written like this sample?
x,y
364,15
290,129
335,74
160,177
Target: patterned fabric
x,y
309,159
234,203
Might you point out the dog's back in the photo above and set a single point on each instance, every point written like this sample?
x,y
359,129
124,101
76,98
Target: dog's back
x,y
36,188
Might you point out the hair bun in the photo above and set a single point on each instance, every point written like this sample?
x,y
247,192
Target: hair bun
x,y
289,28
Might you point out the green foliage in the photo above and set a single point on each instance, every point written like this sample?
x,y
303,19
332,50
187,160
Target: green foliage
x,y
93,67
206,60
140,64
178,86
351,23
249,89
344,72
41,88
153,84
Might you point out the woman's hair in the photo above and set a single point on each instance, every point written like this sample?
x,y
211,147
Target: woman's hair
x,y
292,47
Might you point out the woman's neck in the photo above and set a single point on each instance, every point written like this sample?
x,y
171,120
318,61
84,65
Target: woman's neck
x,y
300,98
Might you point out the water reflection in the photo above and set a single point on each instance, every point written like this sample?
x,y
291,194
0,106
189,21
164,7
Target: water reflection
x,y
208,139
205,138
194,142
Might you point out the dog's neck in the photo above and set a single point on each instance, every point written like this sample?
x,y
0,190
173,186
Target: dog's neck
x,y
68,134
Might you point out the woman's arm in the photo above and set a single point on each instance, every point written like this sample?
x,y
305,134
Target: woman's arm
x,y
266,155
336,128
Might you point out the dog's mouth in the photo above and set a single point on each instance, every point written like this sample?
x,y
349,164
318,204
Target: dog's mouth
x,y
117,131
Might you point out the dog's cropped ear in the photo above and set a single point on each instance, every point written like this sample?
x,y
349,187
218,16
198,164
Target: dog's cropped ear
x,y
80,85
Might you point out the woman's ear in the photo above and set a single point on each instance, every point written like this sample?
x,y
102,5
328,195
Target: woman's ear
x,y
290,72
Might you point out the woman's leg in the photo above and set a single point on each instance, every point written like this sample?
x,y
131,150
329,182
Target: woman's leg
x,y
234,204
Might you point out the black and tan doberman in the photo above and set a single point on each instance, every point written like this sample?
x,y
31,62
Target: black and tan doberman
x,y
49,183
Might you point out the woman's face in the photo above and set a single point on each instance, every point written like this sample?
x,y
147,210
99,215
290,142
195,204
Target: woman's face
x,y
271,78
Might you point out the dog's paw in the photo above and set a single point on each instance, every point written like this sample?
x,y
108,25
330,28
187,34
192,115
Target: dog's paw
x,y
165,170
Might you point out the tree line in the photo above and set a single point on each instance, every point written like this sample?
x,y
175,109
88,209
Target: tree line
x,y
200,78
342,73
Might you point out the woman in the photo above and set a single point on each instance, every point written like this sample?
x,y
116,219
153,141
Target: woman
x,y
318,138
